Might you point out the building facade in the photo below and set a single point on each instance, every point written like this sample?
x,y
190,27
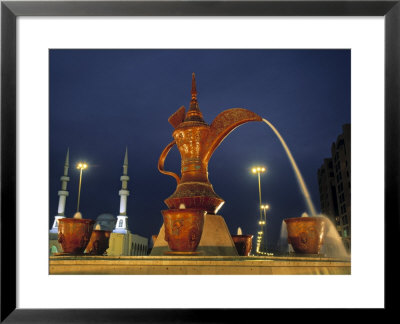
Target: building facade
x,y
334,180
127,244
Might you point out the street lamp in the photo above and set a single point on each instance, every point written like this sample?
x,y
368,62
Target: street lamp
x,y
264,208
263,221
80,166
259,239
259,170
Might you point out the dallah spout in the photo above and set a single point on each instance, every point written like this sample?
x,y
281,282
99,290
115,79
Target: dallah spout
x,y
223,124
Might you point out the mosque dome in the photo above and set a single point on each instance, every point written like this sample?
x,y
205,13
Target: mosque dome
x,y
106,222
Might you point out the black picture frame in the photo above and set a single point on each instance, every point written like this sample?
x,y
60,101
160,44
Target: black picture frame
x,y
10,10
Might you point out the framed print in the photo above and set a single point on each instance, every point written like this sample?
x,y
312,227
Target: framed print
x,y
163,36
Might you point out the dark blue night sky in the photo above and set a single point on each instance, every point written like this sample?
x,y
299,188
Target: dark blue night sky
x,y
102,101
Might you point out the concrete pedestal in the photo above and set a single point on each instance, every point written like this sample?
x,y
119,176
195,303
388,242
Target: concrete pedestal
x,y
215,240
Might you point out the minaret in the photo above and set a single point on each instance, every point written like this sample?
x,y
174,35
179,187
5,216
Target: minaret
x,y
122,220
63,194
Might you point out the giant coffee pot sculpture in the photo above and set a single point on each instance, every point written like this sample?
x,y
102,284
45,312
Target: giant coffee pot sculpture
x,y
194,195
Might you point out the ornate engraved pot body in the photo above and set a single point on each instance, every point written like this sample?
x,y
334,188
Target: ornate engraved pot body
x,y
306,234
98,243
74,234
243,244
183,228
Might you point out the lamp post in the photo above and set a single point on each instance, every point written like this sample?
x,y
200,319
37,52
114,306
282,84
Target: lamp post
x,y
259,239
258,170
80,166
264,208
263,223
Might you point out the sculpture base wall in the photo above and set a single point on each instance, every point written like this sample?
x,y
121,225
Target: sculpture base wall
x,y
198,265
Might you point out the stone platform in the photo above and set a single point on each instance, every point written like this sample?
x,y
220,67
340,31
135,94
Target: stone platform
x,y
198,265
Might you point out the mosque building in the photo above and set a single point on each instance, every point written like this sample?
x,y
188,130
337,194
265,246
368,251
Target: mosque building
x,y
54,245
122,242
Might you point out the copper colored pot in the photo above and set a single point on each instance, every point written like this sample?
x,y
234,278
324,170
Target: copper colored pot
x,y
98,243
74,234
183,228
243,244
306,234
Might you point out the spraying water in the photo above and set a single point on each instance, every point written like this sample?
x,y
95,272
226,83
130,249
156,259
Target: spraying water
x,y
283,245
333,245
296,170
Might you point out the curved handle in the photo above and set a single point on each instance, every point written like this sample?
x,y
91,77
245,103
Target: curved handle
x,y
224,123
162,159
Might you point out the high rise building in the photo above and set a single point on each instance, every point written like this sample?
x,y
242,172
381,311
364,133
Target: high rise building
x,y
334,179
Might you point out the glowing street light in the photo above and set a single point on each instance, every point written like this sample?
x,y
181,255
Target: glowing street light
x,y
264,208
263,221
80,166
258,170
